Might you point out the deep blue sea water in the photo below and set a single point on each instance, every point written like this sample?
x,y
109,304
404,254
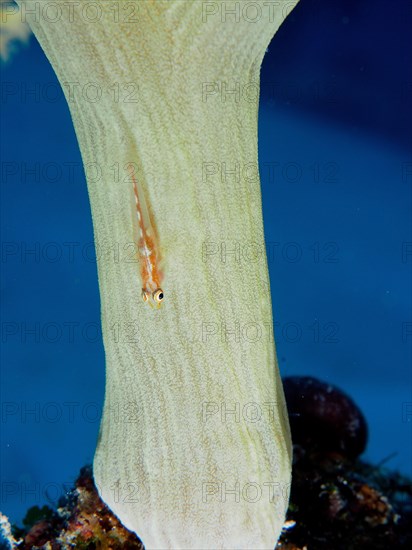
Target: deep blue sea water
x,y
335,162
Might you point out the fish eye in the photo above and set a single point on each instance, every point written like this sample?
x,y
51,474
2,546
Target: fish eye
x,y
158,295
145,295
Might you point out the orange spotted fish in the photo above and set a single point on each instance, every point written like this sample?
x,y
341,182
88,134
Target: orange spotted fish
x,y
148,251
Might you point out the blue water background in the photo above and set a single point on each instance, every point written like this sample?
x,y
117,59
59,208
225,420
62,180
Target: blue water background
x,y
334,124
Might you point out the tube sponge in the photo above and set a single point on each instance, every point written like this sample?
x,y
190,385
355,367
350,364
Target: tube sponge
x,y
194,450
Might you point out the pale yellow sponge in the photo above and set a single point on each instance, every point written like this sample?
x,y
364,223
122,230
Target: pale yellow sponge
x,y
194,450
